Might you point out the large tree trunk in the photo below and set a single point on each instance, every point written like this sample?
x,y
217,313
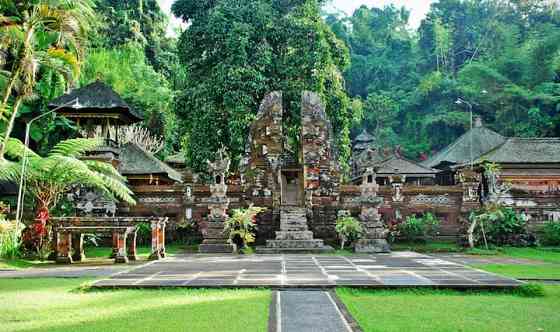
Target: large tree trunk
x,y
10,127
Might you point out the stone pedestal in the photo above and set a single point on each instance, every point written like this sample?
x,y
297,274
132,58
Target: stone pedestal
x,y
375,232
215,240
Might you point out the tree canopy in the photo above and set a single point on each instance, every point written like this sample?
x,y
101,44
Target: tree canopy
x,y
237,51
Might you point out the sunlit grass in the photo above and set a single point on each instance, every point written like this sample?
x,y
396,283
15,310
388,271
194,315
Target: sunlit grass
x,y
446,310
58,305
523,271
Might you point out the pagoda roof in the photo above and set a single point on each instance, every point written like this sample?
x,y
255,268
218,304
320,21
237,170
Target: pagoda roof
x,y
400,165
525,151
459,152
134,160
364,137
95,100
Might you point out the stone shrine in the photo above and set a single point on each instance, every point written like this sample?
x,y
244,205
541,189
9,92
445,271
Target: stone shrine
x,y
215,240
375,232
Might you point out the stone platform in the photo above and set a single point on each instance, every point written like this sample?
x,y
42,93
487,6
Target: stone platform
x,y
398,269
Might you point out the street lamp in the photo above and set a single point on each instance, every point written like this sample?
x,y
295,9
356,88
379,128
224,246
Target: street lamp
x,y
19,209
461,101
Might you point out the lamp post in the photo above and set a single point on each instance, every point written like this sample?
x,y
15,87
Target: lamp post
x,y
21,194
461,101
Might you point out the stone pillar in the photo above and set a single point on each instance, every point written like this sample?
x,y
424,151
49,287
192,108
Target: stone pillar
x,y
162,238
375,232
63,247
215,240
78,247
114,241
156,229
121,256
131,249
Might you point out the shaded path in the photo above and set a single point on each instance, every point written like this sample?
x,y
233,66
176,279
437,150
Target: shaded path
x,y
307,311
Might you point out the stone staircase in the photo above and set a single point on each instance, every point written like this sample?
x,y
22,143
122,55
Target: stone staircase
x,y
294,236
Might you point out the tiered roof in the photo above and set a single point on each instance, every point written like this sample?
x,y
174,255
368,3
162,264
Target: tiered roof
x,y
134,160
95,100
459,152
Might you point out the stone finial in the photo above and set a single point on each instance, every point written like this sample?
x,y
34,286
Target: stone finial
x,y
220,166
478,122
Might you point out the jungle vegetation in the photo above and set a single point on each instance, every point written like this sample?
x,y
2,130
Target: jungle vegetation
x,y
201,87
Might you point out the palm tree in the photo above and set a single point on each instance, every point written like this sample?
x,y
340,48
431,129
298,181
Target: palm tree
x,y
34,34
49,178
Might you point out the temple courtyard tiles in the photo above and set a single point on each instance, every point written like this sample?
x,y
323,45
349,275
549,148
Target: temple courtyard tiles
x,y
399,269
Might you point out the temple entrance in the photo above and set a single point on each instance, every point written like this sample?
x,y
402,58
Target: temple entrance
x,y
292,188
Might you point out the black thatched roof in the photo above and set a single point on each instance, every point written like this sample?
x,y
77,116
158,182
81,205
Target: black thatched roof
x,y
483,140
525,151
134,160
95,98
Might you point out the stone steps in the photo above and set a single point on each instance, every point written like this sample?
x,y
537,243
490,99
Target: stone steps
x,y
295,244
294,235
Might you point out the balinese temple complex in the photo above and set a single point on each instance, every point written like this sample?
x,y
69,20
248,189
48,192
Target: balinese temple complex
x,y
304,193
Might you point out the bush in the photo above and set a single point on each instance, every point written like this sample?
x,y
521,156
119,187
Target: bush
x,y
418,228
551,233
503,226
349,230
241,226
10,241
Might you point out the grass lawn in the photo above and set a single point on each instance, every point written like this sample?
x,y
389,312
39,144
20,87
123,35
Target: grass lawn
x,y
446,310
59,305
93,254
523,271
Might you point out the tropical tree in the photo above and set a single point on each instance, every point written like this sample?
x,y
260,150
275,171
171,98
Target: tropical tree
x,y
36,34
48,178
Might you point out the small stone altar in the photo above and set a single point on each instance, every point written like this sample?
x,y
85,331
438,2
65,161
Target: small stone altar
x,y
375,240
215,240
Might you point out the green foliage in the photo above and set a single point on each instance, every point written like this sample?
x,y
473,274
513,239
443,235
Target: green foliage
x,y
502,226
241,226
551,233
237,51
10,236
530,290
418,228
349,230
510,49
48,178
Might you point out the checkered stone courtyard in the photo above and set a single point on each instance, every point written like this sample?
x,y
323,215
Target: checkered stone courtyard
x,y
398,269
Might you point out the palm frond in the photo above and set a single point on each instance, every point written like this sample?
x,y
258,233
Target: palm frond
x,y
75,147
9,171
104,168
15,149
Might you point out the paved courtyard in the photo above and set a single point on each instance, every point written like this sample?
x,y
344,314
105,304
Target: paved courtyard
x,y
398,269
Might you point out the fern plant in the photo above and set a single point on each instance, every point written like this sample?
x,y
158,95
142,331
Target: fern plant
x,y
48,178
349,230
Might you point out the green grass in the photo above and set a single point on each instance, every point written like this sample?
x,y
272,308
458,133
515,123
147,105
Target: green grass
x,y
446,310
58,305
94,255
523,271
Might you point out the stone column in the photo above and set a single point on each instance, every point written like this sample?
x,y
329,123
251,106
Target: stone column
x,y
131,250
121,256
63,247
215,240
78,247
375,232
156,238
